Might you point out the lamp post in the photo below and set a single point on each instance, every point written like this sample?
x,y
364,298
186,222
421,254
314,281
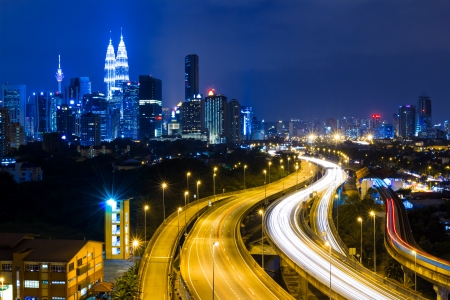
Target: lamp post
x,y
187,183
282,176
245,167
265,187
281,161
329,246
372,213
288,170
135,245
213,245
179,209
270,163
214,183
296,171
415,269
145,225
360,258
164,185
337,212
185,211
261,212
198,198
2,279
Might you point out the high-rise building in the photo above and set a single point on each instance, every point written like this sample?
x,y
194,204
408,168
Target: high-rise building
x,y
150,107
122,69
423,115
216,117
90,130
85,86
14,98
407,121
116,68
130,110
65,121
191,118
234,122
59,74
96,103
246,122
5,131
191,82
110,69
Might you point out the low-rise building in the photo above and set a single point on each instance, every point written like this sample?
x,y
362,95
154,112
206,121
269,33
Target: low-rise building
x,y
23,171
41,269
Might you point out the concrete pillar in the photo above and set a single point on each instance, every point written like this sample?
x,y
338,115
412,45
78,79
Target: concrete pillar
x,y
441,292
302,285
408,277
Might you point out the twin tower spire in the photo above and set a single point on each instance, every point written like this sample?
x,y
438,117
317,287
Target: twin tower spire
x,y
116,67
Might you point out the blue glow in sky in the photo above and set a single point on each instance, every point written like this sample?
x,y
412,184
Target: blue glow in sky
x,y
287,59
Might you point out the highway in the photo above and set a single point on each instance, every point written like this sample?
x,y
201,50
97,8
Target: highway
x,y
285,232
158,257
399,238
236,273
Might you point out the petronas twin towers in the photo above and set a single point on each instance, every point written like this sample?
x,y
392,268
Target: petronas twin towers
x,y
116,67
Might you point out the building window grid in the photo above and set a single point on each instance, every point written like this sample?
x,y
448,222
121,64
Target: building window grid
x,y
31,284
58,282
58,268
6,267
32,268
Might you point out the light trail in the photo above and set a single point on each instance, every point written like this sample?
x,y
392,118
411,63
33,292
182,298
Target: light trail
x,y
283,228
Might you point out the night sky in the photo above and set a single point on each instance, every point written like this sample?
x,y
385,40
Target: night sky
x,y
288,59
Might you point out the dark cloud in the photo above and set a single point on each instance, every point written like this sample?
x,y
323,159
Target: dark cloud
x,y
288,59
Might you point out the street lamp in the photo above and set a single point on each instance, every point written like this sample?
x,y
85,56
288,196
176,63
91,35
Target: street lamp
x,y
164,185
145,225
245,167
179,209
337,212
213,246
187,183
415,269
360,221
214,183
135,245
372,213
270,163
261,212
296,170
265,187
288,170
2,279
282,175
198,198
281,161
329,246
185,210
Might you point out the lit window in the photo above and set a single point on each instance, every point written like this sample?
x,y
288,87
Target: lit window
x,y
32,268
58,282
58,268
6,267
31,284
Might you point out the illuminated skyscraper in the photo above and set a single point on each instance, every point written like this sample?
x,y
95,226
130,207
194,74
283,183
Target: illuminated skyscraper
x,y
116,68
234,122
121,64
407,124
216,117
110,69
190,77
59,74
423,115
150,107
14,99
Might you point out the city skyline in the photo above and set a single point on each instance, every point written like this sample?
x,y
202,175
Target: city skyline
x,y
300,55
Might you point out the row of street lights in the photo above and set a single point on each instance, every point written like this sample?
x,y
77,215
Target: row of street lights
x,y
360,220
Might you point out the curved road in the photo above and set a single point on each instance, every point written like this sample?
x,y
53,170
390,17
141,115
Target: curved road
x,y
283,228
234,277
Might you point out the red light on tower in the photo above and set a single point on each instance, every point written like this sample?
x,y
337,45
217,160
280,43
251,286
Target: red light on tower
x,y
211,92
376,116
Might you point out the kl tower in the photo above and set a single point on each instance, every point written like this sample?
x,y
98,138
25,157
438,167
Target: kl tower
x,y
59,74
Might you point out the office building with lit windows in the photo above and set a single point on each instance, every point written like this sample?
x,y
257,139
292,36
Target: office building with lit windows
x,y
117,229
216,117
48,269
423,116
407,121
129,126
191,82
234,122
150,107
14,98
